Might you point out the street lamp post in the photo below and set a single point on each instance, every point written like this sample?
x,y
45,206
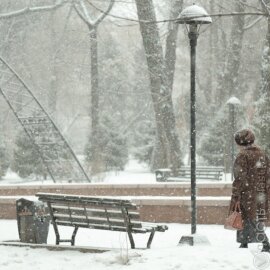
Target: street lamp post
x,y
232,102
193,17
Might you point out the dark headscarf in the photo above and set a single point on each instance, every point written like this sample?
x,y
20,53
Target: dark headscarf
x,y
244,137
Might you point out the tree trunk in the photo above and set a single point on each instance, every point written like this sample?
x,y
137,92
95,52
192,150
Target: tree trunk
x,y
166,139
229,85
261,121
208,93
170,52
95,166
265,87
94,80
52,93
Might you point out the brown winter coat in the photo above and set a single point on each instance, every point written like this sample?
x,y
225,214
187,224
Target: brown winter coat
x,y
251,182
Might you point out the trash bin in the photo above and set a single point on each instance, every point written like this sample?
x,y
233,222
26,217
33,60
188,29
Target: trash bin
x,y
33,221
162,175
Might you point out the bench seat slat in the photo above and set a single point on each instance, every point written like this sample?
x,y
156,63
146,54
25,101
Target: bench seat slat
x,y
101,227
197,175
201,173
155,227
187,178
144,229
200,170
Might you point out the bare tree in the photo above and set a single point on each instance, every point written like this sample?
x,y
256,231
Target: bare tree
x,y
161,73
262,115
92,24
229,80
265,88
31,9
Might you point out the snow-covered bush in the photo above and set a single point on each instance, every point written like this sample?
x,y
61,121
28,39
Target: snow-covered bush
x,y
112,147
215,143
4,160
26,159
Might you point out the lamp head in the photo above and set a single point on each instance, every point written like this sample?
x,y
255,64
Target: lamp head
x,y
194,15
233,101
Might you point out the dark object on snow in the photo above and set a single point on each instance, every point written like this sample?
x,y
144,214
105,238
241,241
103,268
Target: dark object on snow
x,y
33,221
193,240
266,246
244,137
97,213
251,189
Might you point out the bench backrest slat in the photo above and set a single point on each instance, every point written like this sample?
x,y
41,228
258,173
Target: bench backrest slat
x,y
95,221
92,212
64,198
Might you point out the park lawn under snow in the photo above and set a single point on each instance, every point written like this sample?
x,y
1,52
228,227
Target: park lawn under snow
x,y
134,173
222,253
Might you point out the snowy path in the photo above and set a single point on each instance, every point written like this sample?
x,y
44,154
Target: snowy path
x,y
222,253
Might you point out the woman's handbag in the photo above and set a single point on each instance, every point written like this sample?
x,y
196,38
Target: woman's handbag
x,y
234,221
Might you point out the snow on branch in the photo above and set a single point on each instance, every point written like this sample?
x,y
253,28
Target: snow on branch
x,y
230,14
266,7
82,15
248,5
58,4
103,15
86,13
85,16
253,23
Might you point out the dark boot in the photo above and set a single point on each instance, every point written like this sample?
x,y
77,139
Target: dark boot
x,y
266,247
243,245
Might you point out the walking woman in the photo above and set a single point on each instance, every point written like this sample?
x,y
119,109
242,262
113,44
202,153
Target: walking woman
x,y
250,189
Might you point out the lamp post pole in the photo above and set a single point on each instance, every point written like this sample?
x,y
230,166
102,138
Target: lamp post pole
x,y
193,17
193,35
232,116
232,102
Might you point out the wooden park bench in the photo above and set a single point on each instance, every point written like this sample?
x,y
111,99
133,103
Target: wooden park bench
x,y
202,173
96,213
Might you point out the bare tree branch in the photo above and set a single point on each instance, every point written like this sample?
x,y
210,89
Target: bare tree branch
x,y
229,14
85,16
250,6
253,23
28,9
265,6
81,15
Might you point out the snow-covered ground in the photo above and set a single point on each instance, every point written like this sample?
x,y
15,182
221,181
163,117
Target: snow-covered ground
x,y
134,173
165,254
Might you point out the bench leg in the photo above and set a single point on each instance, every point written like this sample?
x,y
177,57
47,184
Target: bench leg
x,y
131,240
57,235
74,235
57,241
149,242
